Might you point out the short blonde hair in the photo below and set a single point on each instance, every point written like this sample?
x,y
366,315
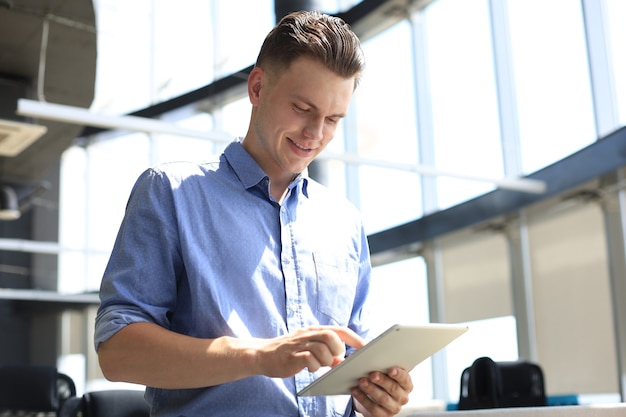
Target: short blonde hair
x,y
327,39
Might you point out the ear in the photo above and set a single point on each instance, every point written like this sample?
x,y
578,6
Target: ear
x,y
255,82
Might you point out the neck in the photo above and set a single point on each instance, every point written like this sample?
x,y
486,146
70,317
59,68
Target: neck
x,y
278,189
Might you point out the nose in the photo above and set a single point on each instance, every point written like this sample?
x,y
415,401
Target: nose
x,y
314,129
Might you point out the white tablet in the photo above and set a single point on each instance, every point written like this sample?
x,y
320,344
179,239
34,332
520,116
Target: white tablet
x,y
404,346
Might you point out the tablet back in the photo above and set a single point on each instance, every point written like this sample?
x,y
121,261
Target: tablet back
x,y
404,346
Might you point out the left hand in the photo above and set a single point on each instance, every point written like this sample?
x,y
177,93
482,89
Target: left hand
x,y
382,395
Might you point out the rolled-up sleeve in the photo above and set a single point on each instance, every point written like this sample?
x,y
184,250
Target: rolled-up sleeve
x,y
139,282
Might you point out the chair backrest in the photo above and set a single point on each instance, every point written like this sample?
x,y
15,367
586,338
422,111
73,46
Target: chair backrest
x,y
33,388
109,403
489,384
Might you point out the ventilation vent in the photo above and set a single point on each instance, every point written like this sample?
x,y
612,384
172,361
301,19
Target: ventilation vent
x,y
15,136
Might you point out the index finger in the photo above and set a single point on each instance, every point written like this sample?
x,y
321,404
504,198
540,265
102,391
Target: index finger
x,y
347,336
350,338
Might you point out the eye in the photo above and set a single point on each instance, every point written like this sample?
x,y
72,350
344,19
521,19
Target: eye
x,y
300,109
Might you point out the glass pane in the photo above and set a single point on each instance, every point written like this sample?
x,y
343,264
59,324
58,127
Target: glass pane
x,y
400,295
234,118
168,148
240,33
464,101
99,193
72,220
124,67
552,80
151,51
385,107
616,14
108,193
388,197
184,47
495,337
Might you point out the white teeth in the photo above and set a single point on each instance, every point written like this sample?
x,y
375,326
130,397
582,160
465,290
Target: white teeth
x,y
301,147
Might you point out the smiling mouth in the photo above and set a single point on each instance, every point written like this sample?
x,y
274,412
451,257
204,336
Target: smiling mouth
x,y
297,145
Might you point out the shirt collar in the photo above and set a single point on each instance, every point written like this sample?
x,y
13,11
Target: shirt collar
x,y
250,173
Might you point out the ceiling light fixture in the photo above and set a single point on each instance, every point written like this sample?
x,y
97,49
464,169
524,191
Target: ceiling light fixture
x,y
84,117
17,136
526,185
69,114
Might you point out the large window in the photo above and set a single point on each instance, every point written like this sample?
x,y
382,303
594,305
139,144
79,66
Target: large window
x,y
552,81
151,51
463,95
387,131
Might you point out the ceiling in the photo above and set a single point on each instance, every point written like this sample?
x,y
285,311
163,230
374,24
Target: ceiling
x,y
48,52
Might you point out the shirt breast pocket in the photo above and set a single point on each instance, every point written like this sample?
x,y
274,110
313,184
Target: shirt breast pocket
x,y
336,287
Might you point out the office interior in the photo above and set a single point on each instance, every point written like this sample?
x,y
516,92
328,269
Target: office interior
x,y
485,147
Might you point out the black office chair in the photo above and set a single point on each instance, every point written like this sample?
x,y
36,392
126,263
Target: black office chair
x,y
109,403
489,384
33,389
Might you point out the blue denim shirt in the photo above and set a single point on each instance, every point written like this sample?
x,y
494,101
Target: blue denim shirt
x,y
206,251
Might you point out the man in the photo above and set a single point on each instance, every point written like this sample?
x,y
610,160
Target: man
x,y
231,283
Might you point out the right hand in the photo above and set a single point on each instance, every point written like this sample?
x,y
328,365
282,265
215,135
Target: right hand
x,y
310,348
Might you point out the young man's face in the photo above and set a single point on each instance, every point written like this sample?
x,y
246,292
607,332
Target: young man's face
x,y
295,115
